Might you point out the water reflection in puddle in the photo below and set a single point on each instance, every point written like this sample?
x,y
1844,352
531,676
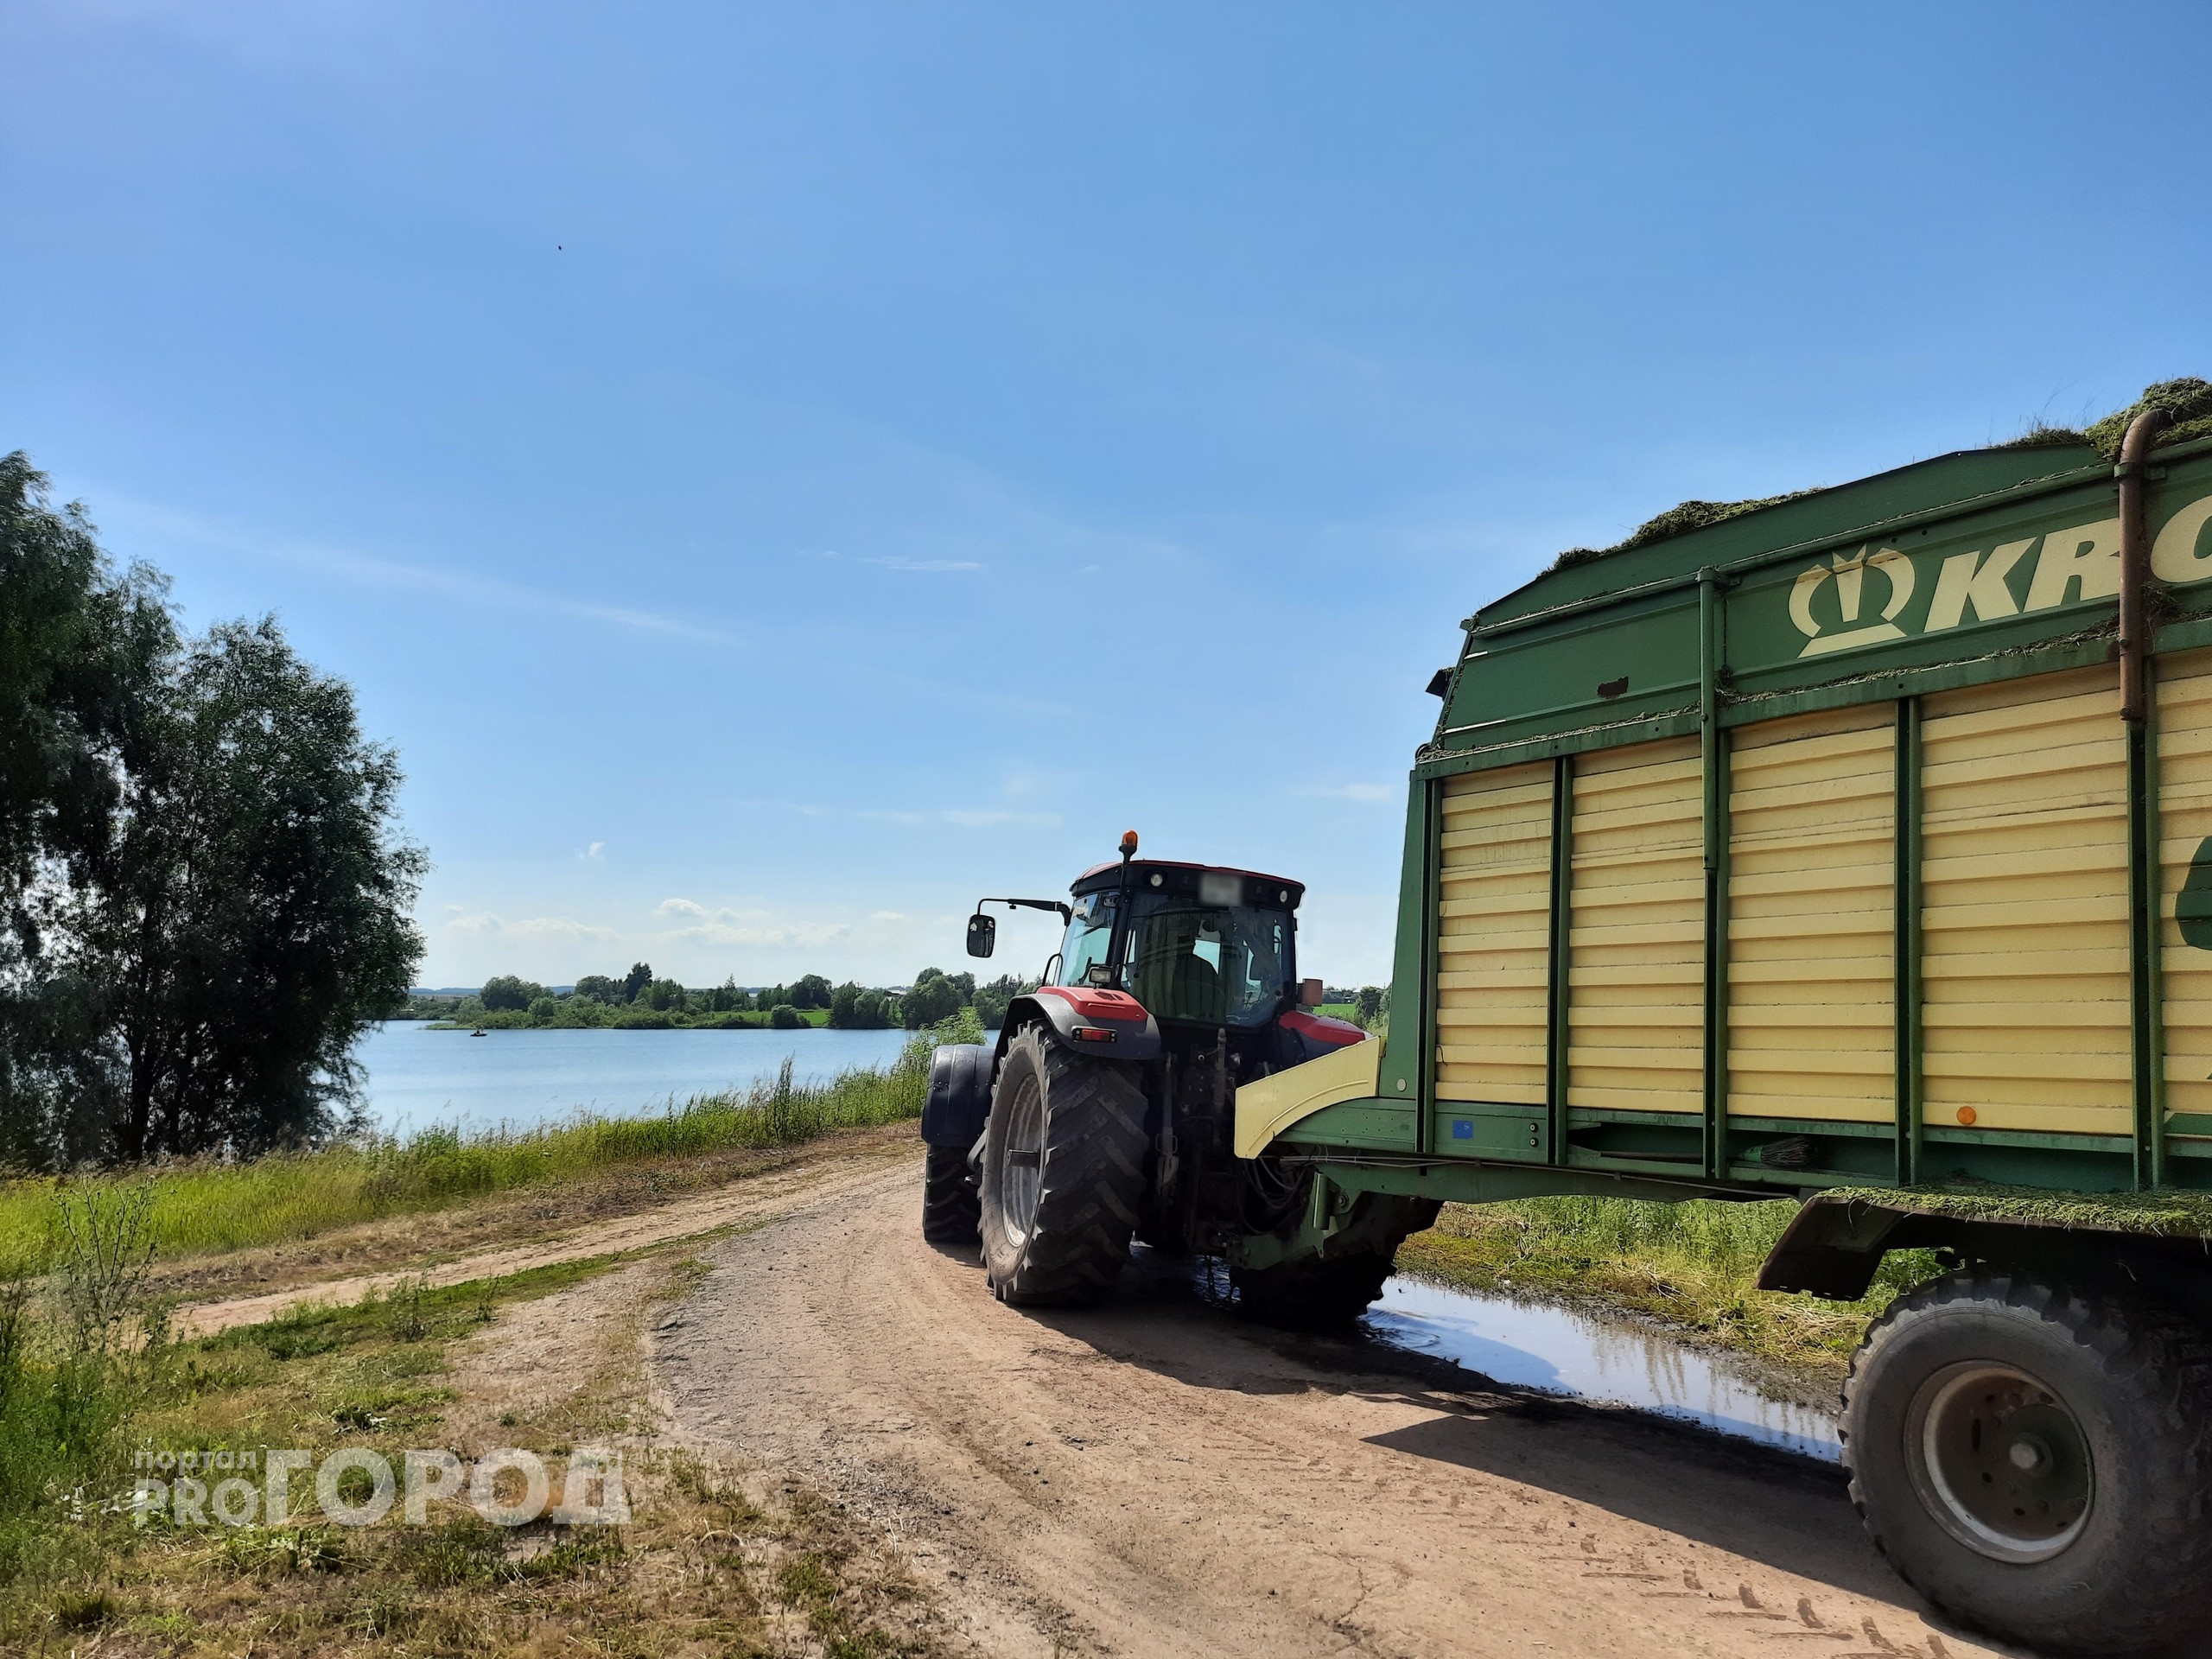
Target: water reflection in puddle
x,y
1553,1351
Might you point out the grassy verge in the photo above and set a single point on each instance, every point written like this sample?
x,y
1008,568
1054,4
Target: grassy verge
x,y
704,1567
203,1208
1689,1266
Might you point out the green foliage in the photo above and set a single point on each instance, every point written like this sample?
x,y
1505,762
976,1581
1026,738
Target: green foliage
x,y
932,999
1373,999
74,1364
664,995
639,977
854,1008
224,911
599,989
784,1017
991,1000
508,991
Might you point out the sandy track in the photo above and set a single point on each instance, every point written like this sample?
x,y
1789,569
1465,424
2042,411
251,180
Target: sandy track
x,y
1157,1478
745,1200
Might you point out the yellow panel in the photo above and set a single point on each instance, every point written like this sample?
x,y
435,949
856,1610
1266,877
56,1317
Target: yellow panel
x,y
1494,936
1635,978
1812,918
1266,1108
2023,918
2184,824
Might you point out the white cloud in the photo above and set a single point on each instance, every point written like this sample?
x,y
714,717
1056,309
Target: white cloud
x,y
594,851
1350,791
725,925
484,924
934,567
888,916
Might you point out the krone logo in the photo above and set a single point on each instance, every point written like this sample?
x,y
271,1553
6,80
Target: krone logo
x,y
1849,572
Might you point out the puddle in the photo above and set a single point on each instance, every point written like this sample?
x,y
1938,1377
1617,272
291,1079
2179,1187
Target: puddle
x,y
1555,1351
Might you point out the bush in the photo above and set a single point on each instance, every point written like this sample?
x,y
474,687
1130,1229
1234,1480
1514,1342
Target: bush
x,y
542,1010
508,991
784,1017
933,1000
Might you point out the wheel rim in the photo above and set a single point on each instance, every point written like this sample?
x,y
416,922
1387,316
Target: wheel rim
x,y
1999,1459
1021,1176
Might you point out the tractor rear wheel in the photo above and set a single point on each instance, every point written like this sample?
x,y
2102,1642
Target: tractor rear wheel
x,y
1064,1163
952,1210
2037,1461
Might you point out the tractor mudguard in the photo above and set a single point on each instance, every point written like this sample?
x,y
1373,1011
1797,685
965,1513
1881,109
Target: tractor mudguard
x,y
959,1095
1098,1025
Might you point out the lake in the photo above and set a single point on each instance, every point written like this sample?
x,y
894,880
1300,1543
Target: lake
x,y
417,1076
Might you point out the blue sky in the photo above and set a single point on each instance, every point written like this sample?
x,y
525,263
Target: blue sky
x,y
777,472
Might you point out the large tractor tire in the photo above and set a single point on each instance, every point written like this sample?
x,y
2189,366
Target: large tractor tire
x,y
2037,1461
952,1209
1064,1162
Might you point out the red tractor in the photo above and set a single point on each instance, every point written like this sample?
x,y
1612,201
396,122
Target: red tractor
x,y
1104,1112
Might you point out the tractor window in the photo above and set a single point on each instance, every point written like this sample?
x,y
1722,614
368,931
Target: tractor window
x,y
1215,966
1091,933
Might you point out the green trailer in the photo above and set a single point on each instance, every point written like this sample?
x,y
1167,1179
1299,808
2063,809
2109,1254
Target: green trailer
x,y
1855,847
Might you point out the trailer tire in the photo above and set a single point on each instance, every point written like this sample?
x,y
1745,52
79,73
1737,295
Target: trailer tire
x,y
1312,1294
1064,1174
952,1209
2036,1460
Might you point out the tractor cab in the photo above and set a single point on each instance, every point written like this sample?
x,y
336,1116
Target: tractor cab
x,y
1195,945
1104,1108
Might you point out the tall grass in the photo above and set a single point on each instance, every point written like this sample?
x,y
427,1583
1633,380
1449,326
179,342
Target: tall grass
x,y
1694,1265
80,1343
200,1208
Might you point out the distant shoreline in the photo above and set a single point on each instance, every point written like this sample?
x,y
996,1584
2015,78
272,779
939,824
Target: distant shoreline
x,y
811,1020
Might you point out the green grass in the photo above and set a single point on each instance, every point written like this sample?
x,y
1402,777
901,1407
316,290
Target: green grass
x,y
203,1208
1691,1265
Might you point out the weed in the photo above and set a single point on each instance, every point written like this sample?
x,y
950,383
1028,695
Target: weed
x,y
804,1582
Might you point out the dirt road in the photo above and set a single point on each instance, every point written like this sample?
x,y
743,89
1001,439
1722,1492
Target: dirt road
x,y
1157,1478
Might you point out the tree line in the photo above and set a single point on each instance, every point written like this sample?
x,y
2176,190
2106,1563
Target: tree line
x,y
205,891
642,999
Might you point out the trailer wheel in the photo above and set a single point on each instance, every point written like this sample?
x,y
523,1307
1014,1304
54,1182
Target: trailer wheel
x,y
1312,1294
1064,1160
2037,1461
952,1210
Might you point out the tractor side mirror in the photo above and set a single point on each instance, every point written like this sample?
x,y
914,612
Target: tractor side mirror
x,y
1309,993
982,934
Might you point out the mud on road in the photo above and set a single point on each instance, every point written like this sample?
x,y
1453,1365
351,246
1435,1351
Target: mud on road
x,y
1159,1477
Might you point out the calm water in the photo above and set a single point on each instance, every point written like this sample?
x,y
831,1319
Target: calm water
x,y
418,1077
1557,1352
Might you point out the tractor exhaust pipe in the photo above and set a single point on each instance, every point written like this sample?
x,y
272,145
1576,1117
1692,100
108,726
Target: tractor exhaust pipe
x,y
2135,567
